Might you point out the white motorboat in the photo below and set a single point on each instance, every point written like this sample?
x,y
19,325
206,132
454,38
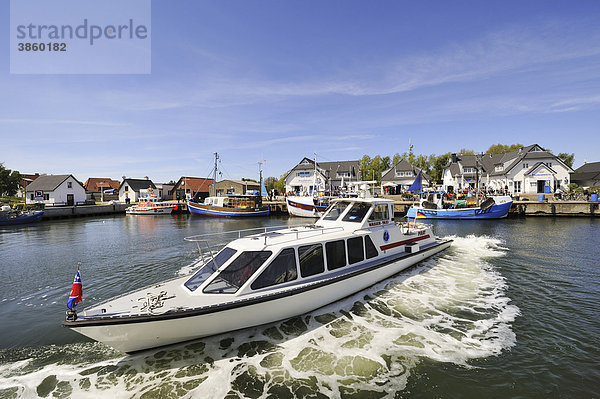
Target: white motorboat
x,y
265,277
151,206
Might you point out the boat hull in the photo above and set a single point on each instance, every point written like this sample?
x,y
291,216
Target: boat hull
x,y
496,211
151,211
23,219
299,207
197,209
145,333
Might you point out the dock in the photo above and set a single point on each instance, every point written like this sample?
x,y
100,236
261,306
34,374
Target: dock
x,y
62,212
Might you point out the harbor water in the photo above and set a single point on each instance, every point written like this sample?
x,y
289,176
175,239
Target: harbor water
x,y
511,310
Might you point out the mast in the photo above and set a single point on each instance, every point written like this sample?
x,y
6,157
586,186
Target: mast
x,y
215,175
477,178
315,177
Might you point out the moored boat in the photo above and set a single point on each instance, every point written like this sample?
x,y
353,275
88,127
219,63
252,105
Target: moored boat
x,y
305,206
265,277
433,207
151,206
9,216
229,206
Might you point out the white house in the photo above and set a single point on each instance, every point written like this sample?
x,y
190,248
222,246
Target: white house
x,y
329,176
129,191
401,176
527,170
56,190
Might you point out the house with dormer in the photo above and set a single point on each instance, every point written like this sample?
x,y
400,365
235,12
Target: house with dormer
x,y
130,189
528,170
305,178
401,176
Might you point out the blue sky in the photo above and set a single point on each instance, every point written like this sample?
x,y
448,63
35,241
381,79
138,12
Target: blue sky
x,y
280,80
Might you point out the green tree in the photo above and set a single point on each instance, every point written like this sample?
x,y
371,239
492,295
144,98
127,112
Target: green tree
x,y
270,183
568,159
9,181
438,164
503,148
280,184
464,151
396,158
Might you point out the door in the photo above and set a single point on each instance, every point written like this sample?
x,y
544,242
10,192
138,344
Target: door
x,y
70,199
540,186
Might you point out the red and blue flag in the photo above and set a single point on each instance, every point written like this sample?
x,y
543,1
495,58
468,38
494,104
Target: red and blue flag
x,y
76,292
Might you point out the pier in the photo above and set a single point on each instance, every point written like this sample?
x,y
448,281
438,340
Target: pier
x,y
83,210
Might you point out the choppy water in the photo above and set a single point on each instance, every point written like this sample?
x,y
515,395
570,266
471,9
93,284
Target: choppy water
x,y
511,310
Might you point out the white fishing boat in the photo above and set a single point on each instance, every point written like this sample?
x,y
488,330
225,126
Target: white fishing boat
x,y
306,206
151,205
265,277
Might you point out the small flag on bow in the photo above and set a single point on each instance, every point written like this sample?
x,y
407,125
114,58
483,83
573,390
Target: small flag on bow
x,y
76,292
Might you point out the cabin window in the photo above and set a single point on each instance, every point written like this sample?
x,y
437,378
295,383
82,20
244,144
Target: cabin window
x,y
209,268
281,270
336,254
357,212
336,210
237,273
380,212
356,252
311,260
371,250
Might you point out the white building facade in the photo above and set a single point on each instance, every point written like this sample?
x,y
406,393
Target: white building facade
x,y
56,190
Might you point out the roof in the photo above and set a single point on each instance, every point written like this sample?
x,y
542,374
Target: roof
x,y
49,182
537,165
138,184
589,167
195,184
403,166
243,183
93,183
330,168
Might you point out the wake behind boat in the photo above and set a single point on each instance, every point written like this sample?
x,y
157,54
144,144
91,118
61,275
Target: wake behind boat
x,y
265,277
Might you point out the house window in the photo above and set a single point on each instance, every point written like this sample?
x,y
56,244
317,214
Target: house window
x,y
549,164
468,170
311,260
69,184
303,174
399,174
46,197
31,197
525,166
499,168
517,187
126,188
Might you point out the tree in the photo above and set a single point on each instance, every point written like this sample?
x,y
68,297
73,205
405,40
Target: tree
x,y
438,164
464,151
568,159
270,183
280,184
397,158
502,148
9,181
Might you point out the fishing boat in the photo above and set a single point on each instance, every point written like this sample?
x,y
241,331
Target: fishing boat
x,y
307,206
264,277
151,205
230,205
9,216
432,206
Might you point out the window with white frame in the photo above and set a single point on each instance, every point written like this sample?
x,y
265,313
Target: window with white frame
x,y
69,184
525,166
303,174
468,170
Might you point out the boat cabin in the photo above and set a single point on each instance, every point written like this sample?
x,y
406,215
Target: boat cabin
x,y
341,239
237,201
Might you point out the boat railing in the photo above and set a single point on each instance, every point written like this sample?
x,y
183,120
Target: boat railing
x,y
266,232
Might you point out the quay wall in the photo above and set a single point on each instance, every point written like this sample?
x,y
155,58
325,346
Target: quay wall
x,y
83,210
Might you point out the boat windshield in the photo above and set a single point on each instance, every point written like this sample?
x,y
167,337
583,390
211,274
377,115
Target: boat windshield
x,y
209,268
357,212
335,210
237,273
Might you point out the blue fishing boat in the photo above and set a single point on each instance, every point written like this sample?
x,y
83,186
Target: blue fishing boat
x,y
432,206
492,208
232,205
10,216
